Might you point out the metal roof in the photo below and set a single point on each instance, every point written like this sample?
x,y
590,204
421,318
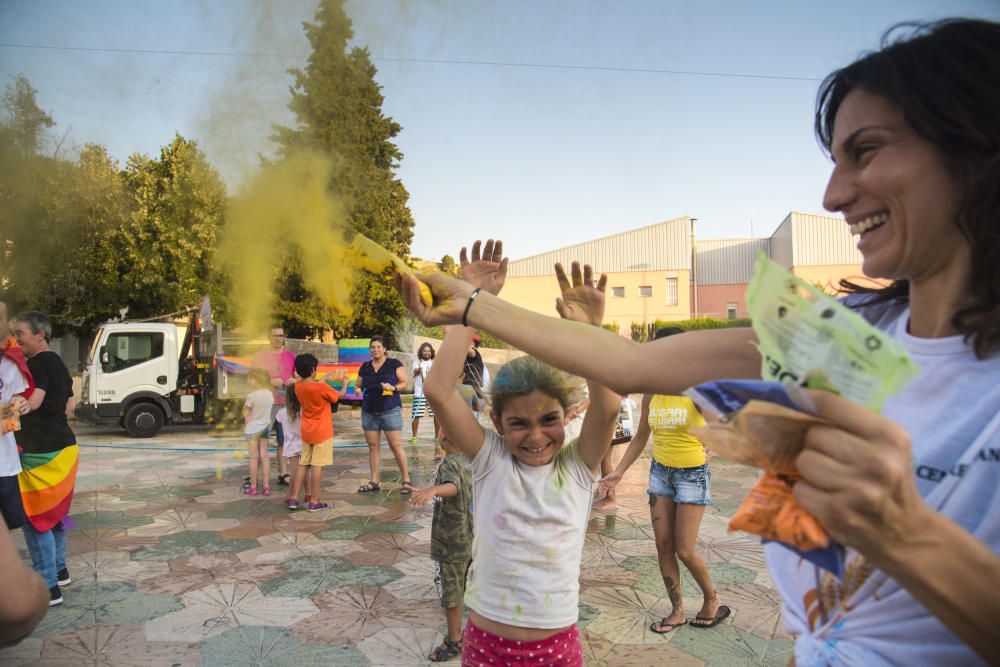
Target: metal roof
x,y
663,246
728,261
819,240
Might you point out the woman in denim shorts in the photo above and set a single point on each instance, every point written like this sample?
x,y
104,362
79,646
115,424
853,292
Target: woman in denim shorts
x,y
382,412
679,490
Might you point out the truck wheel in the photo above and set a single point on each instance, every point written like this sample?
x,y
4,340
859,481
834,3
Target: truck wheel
x,y
143,420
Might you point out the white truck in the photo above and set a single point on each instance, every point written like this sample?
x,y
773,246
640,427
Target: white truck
x,y
144,375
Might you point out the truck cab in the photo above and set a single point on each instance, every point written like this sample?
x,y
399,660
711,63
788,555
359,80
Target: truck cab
x,y
131,377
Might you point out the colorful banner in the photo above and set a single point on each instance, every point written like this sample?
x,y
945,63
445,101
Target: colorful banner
x,y
335,375
353,350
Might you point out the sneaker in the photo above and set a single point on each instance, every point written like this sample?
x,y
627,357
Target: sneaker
x,y
293,504
267,490
413,440
250,491
316,507
55,596
283,480
63,577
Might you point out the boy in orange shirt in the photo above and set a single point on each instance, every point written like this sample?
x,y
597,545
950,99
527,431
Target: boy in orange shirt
x,y
317,431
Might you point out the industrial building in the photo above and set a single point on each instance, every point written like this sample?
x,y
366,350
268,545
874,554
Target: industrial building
x,y
664,272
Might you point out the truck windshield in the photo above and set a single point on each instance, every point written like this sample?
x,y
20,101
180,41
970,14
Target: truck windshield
x,y
93,348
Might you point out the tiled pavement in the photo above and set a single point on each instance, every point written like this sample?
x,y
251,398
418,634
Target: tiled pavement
x,y
172,566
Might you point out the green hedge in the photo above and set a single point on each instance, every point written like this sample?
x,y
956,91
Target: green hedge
x,y
486,339
642,333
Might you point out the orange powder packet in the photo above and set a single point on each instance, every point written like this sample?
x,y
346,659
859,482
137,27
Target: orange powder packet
x,y
771,511
10,419
768,436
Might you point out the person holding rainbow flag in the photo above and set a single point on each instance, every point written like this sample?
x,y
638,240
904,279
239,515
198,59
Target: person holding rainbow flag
x,y
49,453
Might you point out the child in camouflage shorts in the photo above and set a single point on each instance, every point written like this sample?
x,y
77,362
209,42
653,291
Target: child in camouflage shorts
x,y
451,541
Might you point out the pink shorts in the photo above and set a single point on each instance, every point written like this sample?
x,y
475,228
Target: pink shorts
x,y
481,648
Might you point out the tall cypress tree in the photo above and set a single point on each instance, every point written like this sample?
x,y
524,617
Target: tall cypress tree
x,y
338,111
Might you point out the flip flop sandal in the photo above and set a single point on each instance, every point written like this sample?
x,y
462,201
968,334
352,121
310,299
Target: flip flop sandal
x,y
720,615
663,624
446,651
406,488
370,487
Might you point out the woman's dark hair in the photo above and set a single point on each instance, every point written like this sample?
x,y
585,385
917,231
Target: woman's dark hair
x,y
377,338
420,350
292,404
945,79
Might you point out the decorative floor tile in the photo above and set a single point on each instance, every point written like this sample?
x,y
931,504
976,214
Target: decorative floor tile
x,y
220,607
104,602
310,576
275,647
400,646
117,645
191,543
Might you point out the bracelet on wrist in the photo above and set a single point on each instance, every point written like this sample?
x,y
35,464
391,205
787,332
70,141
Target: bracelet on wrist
x,y
472,297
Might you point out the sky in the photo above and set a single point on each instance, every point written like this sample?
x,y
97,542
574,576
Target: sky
x,y
542,122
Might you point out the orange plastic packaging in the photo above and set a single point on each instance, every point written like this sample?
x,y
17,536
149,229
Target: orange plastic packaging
x,y
10,420
768,436
771,511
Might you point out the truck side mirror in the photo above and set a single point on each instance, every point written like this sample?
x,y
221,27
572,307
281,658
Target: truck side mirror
x,y
105,359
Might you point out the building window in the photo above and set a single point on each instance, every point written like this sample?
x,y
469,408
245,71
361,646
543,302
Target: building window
x,y
618,292
731,310
646,290
671,291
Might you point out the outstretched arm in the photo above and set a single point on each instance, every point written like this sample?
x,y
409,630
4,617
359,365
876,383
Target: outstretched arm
x,y
583,301
665,366
488,270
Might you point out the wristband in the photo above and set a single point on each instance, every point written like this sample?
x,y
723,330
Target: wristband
x,y
465,315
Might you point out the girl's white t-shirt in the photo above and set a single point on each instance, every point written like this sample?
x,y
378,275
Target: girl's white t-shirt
x,y
530,523
292,430
259,418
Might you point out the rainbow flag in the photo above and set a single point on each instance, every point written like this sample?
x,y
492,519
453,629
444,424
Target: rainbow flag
x,y
353,350
47,482
337,376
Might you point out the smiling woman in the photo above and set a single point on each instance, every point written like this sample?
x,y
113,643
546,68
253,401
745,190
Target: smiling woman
x,y
914,130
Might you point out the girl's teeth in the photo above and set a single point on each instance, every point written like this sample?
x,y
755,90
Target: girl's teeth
x,y
869,223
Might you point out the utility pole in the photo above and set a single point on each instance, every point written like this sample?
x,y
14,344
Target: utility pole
x,y
694,264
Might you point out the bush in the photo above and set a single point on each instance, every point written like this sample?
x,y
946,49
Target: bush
x,y
486,339
645,332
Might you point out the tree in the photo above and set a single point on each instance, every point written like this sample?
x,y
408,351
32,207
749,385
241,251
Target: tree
x,y
448,265
167,245
27,121
338,111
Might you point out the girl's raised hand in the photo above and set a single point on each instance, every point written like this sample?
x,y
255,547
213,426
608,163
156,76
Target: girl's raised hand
x,y
582,301
488,269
